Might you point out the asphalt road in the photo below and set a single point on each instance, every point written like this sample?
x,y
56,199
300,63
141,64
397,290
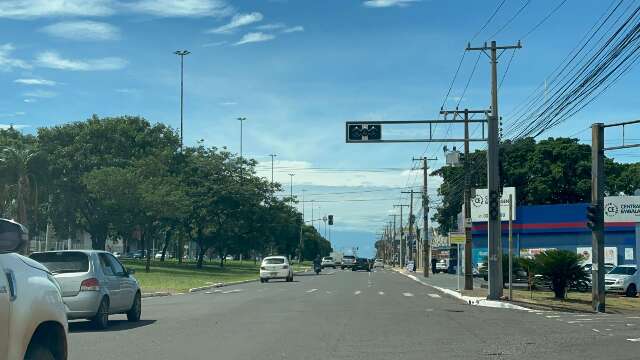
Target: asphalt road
x,y
347,315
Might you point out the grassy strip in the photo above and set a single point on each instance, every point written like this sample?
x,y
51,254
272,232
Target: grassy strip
x,y
170,276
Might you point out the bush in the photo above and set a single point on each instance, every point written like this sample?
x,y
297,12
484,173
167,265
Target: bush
x,y
562,268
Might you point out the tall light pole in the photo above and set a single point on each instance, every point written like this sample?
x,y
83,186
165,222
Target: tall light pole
x,y
241,119
291,196
182,54
272,157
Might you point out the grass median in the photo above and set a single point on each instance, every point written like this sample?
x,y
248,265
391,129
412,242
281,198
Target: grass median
x,y
170,276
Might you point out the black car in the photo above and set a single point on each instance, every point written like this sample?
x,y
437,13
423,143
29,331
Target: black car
x,y
139,254
361,264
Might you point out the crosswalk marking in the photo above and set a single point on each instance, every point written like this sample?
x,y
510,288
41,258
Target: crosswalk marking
x,y
312,290
407,294
434,295
357,292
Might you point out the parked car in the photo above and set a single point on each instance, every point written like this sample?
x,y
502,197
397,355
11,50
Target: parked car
x,y
33,321
139,254
94,285
442,266
229,257
361,264
275,267
607,267
347,261
378,263
623,279
327,261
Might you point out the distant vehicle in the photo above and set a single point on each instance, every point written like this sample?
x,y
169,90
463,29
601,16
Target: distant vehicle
x,y
94,285
337,257
623,279
327,261
607,267
347,261
229,257
442,266
139,254
361,264
158,256
33,320
378,263
117,254
275,267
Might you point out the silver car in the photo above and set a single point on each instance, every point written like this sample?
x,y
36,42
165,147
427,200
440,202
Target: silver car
x,y
94,284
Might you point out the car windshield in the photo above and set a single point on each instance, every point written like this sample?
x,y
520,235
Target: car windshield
x,y
623,270
273,261
63,262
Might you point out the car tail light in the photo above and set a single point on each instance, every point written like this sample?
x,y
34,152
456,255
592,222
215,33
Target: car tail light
x,y
263,268
285,266
91,284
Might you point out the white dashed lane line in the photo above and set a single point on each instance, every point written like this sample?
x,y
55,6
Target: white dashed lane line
x,y
380,292
312,290
407,294
358,292
634,340
435,296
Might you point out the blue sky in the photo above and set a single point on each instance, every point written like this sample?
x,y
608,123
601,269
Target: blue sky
x,y
297,70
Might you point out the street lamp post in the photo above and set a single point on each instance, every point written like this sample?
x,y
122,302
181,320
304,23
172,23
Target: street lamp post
x,y
182,54
241,119
272,157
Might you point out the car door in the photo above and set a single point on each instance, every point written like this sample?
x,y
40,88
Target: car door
x,y
111,281
5,312
127,284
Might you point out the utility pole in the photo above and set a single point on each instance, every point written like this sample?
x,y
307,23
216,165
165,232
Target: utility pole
x,y
182,54
426,246
494,229
291,189
411,220
394,240
403,244
272,157
597,231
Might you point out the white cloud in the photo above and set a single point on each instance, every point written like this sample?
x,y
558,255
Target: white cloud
x,y
293,29
228,103
387,3
7,63
255,37
15,126
237,21
30,9
212,44
83,30
274,26
182,8
29,100
35,82
53,60
128,91
40,94
13,114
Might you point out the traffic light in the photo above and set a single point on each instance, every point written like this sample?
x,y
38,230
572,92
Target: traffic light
x,y
364,132
330,219
593,216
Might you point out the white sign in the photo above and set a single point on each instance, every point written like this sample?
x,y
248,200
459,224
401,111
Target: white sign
x,y
586,254
480,204
622,209
610,254
628,253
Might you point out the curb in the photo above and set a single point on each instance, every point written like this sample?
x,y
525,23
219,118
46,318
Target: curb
x,y
155,294
477,301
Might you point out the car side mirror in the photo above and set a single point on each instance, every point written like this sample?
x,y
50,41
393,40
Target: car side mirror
x,y
13,236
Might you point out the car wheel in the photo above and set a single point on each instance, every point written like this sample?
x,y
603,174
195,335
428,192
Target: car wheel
x,y
38,352
632,291
101,320
342,268
266,280
262,280
133,314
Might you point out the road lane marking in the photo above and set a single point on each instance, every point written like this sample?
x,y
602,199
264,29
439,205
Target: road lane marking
x,y
407,294
208,292
596,330
380,292
312,290
357,292
552,316
634,340
434,295
328,292
232,291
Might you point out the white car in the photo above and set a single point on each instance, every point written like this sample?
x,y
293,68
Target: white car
x,y
33,319
327,261
275,267
378,263
623,279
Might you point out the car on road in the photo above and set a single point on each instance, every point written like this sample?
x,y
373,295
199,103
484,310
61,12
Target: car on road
x,y
361,264
275,267
229,257
623,279
94,285
347,261
378,263
327,261
139,254
33,320
442,266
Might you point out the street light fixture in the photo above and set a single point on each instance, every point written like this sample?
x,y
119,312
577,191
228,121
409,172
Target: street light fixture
x,y
182,54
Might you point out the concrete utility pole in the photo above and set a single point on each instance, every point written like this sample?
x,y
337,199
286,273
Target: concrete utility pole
x,y
496,283
272,157
426,246
182,54
403,243
393,242
291,189
411,220
597,232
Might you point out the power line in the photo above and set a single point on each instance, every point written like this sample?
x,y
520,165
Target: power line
x,y
536,26
510,20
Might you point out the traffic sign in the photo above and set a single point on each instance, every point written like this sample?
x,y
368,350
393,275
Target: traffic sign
x,y
362,132
457,238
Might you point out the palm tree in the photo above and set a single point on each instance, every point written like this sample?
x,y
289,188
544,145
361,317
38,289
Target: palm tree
x,y
562,268
18,167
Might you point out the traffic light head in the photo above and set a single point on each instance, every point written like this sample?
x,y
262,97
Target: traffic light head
x,y
593,216
330,219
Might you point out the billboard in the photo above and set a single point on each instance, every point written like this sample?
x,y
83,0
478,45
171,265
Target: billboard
x,y
480,205
622,209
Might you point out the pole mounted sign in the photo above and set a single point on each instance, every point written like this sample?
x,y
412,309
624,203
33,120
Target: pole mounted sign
x,y
622,209
362,132
457,238
480,205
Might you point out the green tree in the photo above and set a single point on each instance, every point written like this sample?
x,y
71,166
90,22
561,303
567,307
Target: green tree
x,y
562,268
